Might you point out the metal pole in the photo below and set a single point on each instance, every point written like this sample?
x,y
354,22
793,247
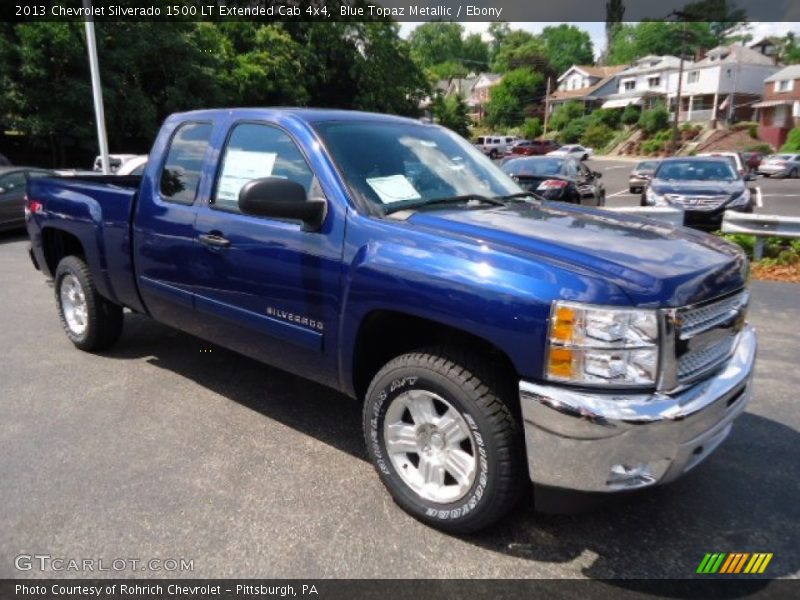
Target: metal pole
x,y
675,133
97,89
546,107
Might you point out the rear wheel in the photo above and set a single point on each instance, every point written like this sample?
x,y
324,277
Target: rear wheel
x,y
90,321
493,154
442,436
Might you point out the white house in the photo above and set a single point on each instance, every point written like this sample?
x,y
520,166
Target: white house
x,y
724,84
586,84
647,80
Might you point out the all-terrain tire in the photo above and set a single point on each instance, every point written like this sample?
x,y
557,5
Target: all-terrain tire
x,y
485,401
91,322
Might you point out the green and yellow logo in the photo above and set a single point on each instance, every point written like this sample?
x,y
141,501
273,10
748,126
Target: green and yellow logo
x,y
734,563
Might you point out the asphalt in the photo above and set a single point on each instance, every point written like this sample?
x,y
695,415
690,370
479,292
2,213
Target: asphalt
x,y
169,447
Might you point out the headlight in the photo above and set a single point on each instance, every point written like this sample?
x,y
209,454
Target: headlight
x,y
743,199
654,199
592,345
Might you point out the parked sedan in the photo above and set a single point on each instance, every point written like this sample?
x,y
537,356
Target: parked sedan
x,y
533,147
13,181
558,178
780,165
641,174
573,150
703,187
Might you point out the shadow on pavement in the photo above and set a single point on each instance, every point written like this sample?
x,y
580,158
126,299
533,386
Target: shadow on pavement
x,y
744,498
10,237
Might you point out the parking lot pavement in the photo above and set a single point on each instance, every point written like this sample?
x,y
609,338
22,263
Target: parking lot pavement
x,y
167,446
778,196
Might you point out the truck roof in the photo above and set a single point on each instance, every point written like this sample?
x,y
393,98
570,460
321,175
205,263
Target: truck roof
x,y
310,115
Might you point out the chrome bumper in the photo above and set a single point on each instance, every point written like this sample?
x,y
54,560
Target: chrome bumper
x,y
599,442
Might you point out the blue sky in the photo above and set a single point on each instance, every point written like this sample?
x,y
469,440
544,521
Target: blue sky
x,y
597,31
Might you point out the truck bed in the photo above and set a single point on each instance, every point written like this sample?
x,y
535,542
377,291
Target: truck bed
x,y
95,209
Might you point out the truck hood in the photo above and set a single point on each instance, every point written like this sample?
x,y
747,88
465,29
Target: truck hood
x,y
655,264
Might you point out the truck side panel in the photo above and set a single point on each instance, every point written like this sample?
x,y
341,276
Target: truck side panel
x,y
97,214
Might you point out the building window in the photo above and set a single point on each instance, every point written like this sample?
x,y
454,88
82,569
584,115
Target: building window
x,y
785,85
693,77
629,85
654,82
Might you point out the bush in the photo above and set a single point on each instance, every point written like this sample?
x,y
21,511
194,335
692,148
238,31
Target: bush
x,y
762,147
777,251
565,114
792,141
631,114
597,136
531,128
750,126
654,119
607,116
573,132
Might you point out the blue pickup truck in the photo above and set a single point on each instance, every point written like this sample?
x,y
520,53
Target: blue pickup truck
x,y
495,338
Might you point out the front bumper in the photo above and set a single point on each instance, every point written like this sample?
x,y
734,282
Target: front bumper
x,y
638,182
595,442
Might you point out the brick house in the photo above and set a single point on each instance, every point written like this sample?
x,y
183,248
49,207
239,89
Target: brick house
x,y
779,111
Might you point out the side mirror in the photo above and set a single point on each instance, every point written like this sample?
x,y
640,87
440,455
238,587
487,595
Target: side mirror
x,y
597,174
281,199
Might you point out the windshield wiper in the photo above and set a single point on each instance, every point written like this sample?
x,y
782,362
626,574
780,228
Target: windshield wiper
x,y
448,200
519,196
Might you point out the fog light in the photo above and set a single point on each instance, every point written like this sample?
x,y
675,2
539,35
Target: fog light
x,y
626,477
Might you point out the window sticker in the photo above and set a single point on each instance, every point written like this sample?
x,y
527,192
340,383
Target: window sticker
x,y
394,188
240,167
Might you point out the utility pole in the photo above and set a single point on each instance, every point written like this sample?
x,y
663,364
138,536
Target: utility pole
x,y
546,107
97,89
675,132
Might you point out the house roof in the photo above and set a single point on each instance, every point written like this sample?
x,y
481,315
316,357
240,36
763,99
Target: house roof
x,y
592,71
488,79
790,72
651,63
733,53
586,92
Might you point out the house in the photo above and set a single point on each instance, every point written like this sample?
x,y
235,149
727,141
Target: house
x,y
586,84
474,89
768,46
648,80
481,94
779,111
724,84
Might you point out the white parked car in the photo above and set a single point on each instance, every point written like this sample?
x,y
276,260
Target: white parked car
x,y
115,161
573,150
133,166
495,146
734,157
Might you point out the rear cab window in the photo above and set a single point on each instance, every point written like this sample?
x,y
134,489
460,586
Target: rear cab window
x,y
183,166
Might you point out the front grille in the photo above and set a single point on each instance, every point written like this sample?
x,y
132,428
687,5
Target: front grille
x,y
694,364
706,335
701,318
708,203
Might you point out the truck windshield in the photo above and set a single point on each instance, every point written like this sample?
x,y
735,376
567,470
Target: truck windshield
x,y
396,165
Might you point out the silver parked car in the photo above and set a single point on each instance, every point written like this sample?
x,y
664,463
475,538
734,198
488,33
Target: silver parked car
x,y
641,174
780,165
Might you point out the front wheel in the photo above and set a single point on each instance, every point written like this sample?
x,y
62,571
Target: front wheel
x,y
443,438
90,321
493,154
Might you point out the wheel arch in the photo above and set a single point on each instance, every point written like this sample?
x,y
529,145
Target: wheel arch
x,y
385,334
58,243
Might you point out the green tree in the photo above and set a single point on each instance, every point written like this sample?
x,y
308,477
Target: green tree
x,y
520,49
566,45
631,114
565,113
634,41
615,13
789,49
436,42
512,97
475,52
452,113
531,128
597,136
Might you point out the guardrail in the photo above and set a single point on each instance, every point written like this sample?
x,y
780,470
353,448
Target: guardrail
x,y
761,226
673,216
